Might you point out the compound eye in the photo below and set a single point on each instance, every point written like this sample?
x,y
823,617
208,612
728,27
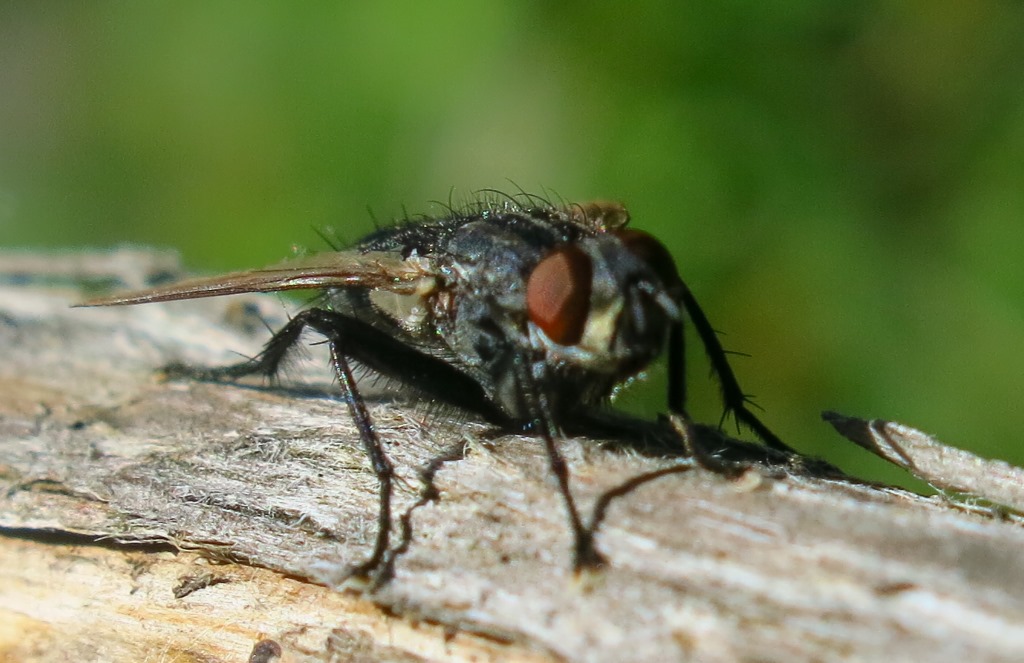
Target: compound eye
x,y
558,294
652,252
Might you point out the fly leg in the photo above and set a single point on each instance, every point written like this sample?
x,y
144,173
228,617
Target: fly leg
x,y
350,339
334,328
732,395
678,418
585,555
371,443
266,363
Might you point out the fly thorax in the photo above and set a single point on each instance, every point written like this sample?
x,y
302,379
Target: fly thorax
x,y
408,311
488,293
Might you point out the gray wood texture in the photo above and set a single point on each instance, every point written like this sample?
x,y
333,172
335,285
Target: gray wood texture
x,y
146,519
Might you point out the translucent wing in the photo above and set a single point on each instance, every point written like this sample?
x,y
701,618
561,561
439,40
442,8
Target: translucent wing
x,y
341,269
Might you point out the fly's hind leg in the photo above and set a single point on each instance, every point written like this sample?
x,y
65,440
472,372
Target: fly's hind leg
x,y
266,363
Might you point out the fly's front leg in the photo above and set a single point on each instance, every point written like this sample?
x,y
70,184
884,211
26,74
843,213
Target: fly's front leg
x,y
735,401
585,555
678,418
732,394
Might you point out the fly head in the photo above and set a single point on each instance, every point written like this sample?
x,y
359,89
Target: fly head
x,y
603,305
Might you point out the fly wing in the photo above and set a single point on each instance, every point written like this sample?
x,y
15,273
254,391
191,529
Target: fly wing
x,y
342,269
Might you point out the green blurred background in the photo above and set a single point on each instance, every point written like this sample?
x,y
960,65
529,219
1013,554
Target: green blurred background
x,y
841,182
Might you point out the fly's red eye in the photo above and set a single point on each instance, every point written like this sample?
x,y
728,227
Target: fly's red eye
x,y
652,252
558,294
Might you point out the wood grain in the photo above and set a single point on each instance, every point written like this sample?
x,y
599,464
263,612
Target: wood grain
x,y
146,519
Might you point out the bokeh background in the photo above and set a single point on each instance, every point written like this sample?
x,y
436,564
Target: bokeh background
x,y
841,183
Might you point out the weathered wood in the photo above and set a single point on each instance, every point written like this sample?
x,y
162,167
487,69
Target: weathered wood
x,y
156,520
944,467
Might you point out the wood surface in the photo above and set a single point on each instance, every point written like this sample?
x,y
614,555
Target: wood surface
x,y
144,519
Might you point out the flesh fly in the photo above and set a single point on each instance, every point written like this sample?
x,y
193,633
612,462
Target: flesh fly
x,y
529,315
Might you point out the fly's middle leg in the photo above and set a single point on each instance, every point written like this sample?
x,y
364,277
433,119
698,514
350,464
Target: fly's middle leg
x,y
347,338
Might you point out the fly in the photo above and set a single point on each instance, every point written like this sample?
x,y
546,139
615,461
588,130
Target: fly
x,y
526,313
